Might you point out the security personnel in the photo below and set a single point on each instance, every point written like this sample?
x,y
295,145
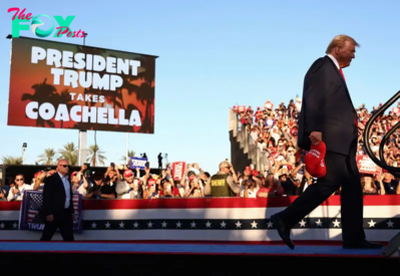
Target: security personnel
x,y
224,183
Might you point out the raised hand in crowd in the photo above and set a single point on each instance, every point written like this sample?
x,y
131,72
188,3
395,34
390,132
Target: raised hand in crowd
x,y
83,168
233,173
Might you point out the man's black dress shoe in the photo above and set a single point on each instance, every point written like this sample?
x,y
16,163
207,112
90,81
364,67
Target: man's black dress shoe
x,y
362,245
283,231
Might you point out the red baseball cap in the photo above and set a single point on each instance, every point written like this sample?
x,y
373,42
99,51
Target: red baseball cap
x,y
315,160
128,173
255,173
151,181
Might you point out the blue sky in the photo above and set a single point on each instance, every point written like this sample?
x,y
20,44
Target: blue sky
x,y
213,55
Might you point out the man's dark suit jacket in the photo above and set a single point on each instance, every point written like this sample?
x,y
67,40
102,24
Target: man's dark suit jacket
x,y
54,196
327,107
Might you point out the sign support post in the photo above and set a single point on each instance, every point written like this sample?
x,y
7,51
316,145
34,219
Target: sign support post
x,y
127,149
82,140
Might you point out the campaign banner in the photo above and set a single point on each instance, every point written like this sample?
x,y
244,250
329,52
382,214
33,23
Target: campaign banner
x,y
32,219
366,165
68,86
178,170
137,162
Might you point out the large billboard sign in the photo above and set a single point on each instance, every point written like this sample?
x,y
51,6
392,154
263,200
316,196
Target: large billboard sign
x,y
68,86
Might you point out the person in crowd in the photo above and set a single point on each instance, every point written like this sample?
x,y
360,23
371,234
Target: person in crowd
x,y
3,192
18,188
368,184
272,187
160,159
86,183
250,182
192,171
389,184
84,168
101,189
249,188
108,187
75,182
124,187
151,189
167,189
224,183
196,189
112,175
289,183
167,186
39,180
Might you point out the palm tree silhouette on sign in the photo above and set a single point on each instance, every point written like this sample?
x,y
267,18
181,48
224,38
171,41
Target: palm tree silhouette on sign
x,y
91,51
47,158
145,93
11,160
92,91
62,98
70,152
43,93
96,155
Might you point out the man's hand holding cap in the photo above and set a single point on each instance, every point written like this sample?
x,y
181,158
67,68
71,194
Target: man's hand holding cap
x,y
315,160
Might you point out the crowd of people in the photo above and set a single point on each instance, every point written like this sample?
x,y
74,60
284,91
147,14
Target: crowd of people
x,y
275,132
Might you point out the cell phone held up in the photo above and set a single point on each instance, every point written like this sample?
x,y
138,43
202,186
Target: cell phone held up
x,y
88,173
147,165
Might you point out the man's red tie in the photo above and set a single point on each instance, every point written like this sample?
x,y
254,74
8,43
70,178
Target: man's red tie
x,y
355,119
341,72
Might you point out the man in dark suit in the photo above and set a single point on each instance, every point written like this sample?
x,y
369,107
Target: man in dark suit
x,y
328,115
58,208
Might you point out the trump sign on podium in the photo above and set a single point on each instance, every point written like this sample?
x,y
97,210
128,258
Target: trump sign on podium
x,y
61,85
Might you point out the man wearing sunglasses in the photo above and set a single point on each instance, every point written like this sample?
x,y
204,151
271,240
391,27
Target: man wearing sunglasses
x,y
58,209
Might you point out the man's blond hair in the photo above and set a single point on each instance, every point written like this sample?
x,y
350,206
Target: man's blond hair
x,y
338,41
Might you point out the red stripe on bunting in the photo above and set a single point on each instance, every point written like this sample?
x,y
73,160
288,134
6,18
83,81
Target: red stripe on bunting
x,y
200,203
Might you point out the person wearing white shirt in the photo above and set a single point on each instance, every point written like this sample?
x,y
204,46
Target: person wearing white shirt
x,y
16,193
129,187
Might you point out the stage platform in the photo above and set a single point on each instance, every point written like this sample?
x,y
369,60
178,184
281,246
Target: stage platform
x,y
170,258
206,236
